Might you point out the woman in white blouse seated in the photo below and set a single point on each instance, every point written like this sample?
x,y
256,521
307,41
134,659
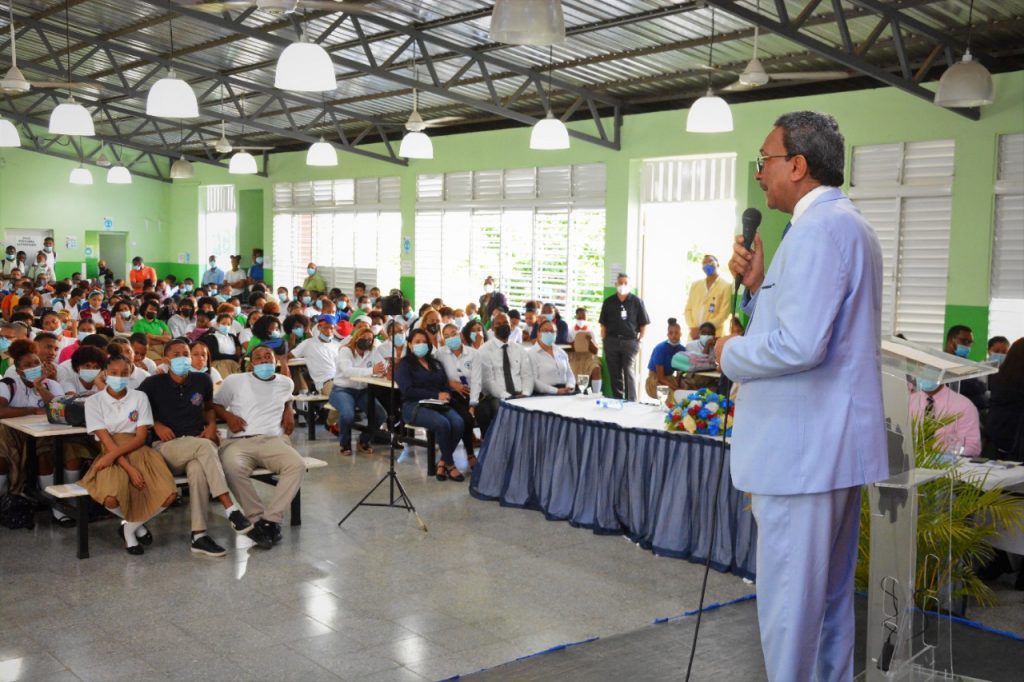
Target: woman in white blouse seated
x,y
130,479
356,360
474,336
225,350
551,372
457,359
394,342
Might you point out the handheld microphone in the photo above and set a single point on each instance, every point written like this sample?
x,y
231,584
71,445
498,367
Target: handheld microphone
x,y
751,220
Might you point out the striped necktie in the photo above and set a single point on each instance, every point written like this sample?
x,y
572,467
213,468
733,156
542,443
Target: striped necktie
x,y
929,408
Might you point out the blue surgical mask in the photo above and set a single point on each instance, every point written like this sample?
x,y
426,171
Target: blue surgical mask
x,y
264,370
259,260
117,384
996,358
709,269
325,337
181,365
277,334
33,373
962,350
420,350
306,299
398,340
299,332
224,329
319,304
87,375
704,338
453,343
5,343
126,314
549,316
410,315
48,249
19,291
311,271
282,297
82,335
473,336
459,322
547,338
927,386
187,288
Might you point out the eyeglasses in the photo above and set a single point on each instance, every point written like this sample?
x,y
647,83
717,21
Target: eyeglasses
x,y
761,158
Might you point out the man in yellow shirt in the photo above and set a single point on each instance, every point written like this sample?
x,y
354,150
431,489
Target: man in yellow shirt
x,y
708,300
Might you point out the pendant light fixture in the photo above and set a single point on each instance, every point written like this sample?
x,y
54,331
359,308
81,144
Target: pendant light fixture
x,y
967,83
322,152
70,117
118,174
710,113
416,144
527,22
549,132
182,169
8,134
171,97
242,163
305,67
80,176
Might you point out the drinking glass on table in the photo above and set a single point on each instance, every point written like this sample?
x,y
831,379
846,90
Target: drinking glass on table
x,y
583,380
662,392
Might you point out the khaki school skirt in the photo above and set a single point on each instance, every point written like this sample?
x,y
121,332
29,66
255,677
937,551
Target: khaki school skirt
x,y
136,505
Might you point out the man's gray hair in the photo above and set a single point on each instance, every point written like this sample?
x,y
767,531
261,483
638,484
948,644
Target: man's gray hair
x,y
816,137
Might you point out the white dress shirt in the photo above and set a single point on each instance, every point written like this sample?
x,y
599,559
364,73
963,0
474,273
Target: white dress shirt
x,y
352,365
550,370
488,375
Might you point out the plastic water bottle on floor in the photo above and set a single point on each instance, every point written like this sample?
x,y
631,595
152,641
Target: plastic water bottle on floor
x,y
406,454
461,458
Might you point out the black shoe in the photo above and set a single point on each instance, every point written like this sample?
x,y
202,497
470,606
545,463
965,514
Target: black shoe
x,y
65,522
146,538
259,539
240,523
134,551
206,545
271,530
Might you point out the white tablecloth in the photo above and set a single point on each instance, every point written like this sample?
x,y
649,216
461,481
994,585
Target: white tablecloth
x,y
992,474
631,416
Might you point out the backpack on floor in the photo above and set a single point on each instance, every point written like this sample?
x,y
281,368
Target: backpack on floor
x,y
16,512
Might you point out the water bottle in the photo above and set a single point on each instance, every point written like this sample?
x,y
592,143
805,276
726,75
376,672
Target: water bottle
x,y
610,403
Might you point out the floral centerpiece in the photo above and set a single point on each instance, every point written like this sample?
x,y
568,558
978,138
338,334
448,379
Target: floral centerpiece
x,y
704,412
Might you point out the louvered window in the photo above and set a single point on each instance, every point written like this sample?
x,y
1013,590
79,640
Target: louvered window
x,y
218,224
350,228
538,231
905,192
1006,309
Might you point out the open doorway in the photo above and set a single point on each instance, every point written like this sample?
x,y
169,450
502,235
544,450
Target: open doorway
x,y
688,209
113,250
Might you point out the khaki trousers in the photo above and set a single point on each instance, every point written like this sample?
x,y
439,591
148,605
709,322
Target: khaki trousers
x,y
226,367
325,390
197,459
241,455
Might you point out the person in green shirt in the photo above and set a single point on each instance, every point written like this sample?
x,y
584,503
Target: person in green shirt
x,y
314,282
156,331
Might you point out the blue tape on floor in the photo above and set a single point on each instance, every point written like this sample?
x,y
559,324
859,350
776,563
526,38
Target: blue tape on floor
x,y
557,647
709,607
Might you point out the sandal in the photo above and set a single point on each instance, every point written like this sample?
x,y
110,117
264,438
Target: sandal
x,y
365,448
471,459
440,473
455,475
345,452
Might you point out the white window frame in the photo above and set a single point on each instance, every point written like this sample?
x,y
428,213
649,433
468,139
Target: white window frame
x,y
1006,304
218,210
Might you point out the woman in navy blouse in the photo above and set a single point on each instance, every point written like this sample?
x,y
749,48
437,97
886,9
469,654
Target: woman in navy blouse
x,y
421,377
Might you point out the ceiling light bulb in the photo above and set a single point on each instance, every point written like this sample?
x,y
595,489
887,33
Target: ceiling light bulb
x,y
171,97
709,114
119,175
242,163
305,67
80,176
9,134
182,169
965,84
322,153
549,133
416,145
527,22
71,118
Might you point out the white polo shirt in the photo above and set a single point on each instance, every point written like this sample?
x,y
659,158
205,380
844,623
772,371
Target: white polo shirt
x,y
117,415
260,403
25,396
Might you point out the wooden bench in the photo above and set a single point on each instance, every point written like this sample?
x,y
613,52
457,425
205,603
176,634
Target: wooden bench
x,y
73,499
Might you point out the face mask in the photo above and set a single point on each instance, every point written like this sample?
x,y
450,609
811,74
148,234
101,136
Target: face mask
x,y
263,371
282,297
306,299
5,343
33,373
549,316
87,375
311,271
398,340
410,315
704,338
126,314
187,288
962,350
453,343
365,307
927,386
213,265
150,315
201,370
319,305
325,337
502,331
420,350
473,336
459,322
82,335
376,329
373,300
222,297
709,270
10,256
277,334
623,289
433,327
19,291
224,329
547,338
181,365
185,312
488,288
48,249
136,267
259,260
364,344
997,358
117,384
298,332
343,305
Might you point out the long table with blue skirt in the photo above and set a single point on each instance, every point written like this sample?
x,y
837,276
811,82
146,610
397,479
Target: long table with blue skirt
x,y
617,472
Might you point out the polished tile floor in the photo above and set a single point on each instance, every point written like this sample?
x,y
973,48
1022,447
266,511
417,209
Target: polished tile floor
x,y
377,599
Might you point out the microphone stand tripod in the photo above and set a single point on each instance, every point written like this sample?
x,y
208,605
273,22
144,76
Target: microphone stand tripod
x,y
402,500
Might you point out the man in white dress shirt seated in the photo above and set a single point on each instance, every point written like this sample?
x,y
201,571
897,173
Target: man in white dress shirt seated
x,y
256,406
502,371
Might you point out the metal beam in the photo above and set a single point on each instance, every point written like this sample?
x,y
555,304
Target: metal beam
x,y
849,55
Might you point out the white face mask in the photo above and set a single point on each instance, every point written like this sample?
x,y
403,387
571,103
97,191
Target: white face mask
x,y
488,288
623,289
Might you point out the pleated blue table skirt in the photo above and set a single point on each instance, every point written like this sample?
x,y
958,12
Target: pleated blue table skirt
x,y
655,487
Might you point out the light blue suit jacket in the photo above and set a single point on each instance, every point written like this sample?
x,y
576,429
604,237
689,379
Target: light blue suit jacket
x,y
809,414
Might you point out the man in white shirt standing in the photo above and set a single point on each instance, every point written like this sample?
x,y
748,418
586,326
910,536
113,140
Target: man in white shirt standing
x,y
502,371
256,407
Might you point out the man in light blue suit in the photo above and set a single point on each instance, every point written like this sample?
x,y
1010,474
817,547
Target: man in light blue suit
x,y
810,428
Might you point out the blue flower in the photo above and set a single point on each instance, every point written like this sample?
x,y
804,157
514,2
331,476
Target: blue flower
x,y
713,428
703,414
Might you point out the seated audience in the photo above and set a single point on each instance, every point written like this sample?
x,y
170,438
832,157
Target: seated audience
x,y
1005,423
659,368
963,435
457,360
959,340
584,360
356,360
502,371
550,364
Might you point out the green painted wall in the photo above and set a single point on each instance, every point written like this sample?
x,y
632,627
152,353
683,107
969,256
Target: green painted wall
x,y
250,223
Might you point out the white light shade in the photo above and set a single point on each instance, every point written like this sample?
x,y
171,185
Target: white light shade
x,y
182,169
527,22
965,84
242,163
119,175
754,74
9,134
171,97
321,153
416,145
549,133
71,118
305,67
80,176
709,114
